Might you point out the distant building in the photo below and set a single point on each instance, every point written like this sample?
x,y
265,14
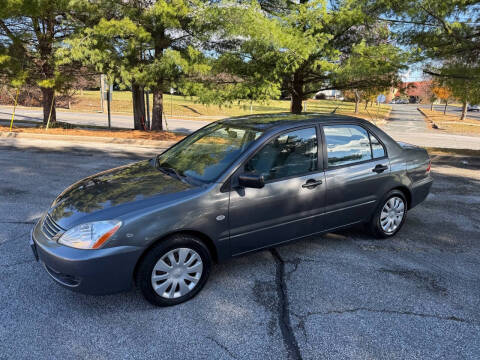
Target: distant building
x,y
414,90
329,94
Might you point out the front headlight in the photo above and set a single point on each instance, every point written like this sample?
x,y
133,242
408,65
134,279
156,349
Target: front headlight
x,y
90,235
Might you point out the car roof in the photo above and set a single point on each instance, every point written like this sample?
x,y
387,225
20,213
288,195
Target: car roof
x,y
267,122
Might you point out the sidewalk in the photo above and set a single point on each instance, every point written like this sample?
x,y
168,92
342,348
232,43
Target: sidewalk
x,y
407,124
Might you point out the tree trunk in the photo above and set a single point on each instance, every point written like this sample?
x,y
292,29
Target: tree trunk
x,y
138,97
157,111
464,111
431,106
296,94
357,101
48,96
445,109
366,104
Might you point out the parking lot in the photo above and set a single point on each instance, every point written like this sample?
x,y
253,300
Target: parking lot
x,y
342,295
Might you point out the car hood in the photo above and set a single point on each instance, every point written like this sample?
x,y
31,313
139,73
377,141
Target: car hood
x,y
117,190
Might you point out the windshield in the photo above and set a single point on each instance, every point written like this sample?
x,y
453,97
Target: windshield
x,y
206,154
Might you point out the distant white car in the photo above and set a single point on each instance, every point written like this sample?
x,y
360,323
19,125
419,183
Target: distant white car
x,y
473,108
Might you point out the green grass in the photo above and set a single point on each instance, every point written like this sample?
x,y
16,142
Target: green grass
x,y
189,107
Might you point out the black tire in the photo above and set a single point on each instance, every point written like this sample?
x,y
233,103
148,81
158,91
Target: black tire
x,y
143,276
374,226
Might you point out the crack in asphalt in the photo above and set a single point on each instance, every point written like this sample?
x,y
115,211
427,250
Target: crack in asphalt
x,y
14,238
386,311
288,335
18,222
223,347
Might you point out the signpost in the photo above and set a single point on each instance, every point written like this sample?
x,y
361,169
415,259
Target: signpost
x,y
172,91
381,98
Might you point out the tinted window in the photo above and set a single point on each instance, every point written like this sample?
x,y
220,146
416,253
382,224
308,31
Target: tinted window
x,y
346,144
293,153
378,150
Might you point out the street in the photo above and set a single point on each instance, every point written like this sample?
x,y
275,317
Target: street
x,y
454,110
124,121
341,295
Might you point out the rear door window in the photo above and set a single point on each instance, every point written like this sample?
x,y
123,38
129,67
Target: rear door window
x,y
378,151
346,144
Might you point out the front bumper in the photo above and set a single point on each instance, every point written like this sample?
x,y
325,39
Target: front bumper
x,y
102,271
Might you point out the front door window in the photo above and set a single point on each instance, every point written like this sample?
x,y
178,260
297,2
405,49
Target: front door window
x,y
291,154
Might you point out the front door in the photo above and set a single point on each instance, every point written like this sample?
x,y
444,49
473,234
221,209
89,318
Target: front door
x,y
290,204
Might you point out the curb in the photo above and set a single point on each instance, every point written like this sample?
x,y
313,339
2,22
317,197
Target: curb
x,y
430,121
95,139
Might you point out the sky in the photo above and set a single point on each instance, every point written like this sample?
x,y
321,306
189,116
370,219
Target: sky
x,y
414,73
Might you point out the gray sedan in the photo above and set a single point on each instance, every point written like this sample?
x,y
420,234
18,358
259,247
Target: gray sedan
x,y
234,186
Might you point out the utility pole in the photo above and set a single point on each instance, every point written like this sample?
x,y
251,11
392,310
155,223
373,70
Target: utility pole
x,y
147,102
102,92
109,100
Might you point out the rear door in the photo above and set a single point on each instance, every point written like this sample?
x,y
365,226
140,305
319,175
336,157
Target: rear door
x,y
356,170
291,202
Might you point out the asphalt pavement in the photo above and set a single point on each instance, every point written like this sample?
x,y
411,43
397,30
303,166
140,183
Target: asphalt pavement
x,y
339,296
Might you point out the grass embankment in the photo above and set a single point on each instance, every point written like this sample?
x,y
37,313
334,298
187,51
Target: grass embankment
x,y
118,134
181,106
451,123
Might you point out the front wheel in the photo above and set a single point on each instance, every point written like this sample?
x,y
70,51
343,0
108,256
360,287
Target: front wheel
x,y
390,215
174,270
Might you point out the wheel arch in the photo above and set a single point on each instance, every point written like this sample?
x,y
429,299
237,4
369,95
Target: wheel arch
x,y
201,236
407,193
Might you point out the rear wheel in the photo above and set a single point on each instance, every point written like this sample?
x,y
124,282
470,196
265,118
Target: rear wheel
x,y
174,270
390,215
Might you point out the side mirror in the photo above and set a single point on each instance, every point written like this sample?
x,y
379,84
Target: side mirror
x,y
251,181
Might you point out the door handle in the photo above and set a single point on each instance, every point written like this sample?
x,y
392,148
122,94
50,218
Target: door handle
x,y
312,183
380,168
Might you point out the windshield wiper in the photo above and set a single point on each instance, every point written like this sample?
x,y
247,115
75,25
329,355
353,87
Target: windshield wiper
x,y
170,170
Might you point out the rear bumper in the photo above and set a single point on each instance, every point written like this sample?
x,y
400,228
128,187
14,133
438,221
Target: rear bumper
x,y
420,191
98,272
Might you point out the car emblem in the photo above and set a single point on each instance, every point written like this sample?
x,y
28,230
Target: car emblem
x,y
220,217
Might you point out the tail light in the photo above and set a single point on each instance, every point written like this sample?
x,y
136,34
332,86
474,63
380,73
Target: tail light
x,y
429,167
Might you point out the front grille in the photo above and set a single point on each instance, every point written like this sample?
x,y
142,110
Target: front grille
x,y
50,227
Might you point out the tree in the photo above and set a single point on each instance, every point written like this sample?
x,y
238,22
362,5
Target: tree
x,y
447,33
147,44
302,47
465,90
442,30
176,32
113,47
443,93
30,34
369,71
